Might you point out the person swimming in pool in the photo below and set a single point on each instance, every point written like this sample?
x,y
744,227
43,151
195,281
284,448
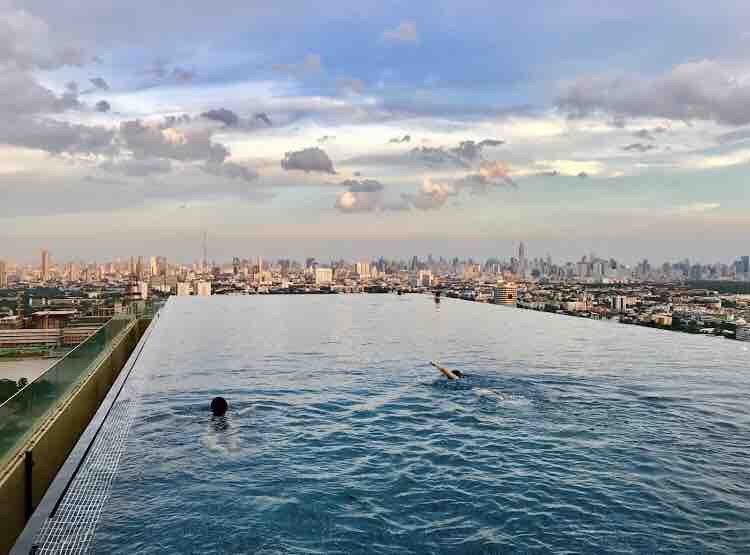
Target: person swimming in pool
x,y
457,375
450,374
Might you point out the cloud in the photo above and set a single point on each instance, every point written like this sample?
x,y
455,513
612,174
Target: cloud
x,y
696,208
56,137
311,159
405,32
26,43
644,134
99,83
311,64
183,143
134,167
470,150
404,139
733,136
103,106
582,175
326,138
491,175
21,94
361,196
160,70
231,170
699,90
227,117
464,155
183,75
640,147
262,116
430,196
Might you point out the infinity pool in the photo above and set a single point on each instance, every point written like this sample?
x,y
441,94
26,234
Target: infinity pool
x,y
342,439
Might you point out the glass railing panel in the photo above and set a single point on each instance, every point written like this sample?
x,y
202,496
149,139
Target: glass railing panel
x,y
22,414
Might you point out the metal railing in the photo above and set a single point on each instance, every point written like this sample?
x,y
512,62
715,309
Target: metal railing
x,y
29,408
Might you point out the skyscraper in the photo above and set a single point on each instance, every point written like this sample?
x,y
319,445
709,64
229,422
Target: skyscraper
x,y
523,264
152,267
745,264
3,275
45,265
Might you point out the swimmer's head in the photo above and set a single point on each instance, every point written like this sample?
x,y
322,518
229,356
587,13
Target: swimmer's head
x,y
458,373
219,406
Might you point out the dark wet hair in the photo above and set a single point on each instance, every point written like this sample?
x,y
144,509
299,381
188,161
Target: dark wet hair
x,y
458,373
219,406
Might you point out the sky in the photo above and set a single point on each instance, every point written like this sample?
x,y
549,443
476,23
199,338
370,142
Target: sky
x,y
369,128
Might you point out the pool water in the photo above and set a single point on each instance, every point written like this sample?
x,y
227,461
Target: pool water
x,y
341,438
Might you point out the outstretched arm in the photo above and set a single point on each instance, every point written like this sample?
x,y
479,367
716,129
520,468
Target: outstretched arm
x,y
447,373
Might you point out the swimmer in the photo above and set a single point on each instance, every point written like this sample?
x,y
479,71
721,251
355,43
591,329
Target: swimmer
x,y
457,374
219,406
450,374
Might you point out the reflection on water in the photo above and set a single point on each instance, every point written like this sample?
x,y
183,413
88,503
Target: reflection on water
x,y
567,434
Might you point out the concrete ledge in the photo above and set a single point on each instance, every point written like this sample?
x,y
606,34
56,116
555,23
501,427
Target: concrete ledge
x,y
49,447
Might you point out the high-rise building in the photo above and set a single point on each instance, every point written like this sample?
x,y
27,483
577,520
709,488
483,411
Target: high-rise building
x,y
153,269
45,265
323,276
505,293
745,264
183,289
203,288
3,275
363,269
523,263
139,267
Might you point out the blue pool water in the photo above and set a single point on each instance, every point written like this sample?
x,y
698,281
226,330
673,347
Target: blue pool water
x,y
342,439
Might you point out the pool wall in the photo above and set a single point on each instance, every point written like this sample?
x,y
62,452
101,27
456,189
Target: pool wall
x,y
26,478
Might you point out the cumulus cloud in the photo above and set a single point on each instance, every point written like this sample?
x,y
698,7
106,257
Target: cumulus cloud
x,y
491,175
178,143
227,117
404,139
360,196
56,137
640,147
430,196
103,106
405,32
466,154
99,83
311,159
699,90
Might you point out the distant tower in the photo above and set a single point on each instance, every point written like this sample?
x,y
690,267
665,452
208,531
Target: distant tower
x,y
45,265
522,262
3,275
205,252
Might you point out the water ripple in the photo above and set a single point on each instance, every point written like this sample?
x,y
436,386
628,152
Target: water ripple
x,y
568,436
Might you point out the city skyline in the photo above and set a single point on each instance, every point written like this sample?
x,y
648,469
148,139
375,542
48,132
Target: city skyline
x,y
520,264
382,129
